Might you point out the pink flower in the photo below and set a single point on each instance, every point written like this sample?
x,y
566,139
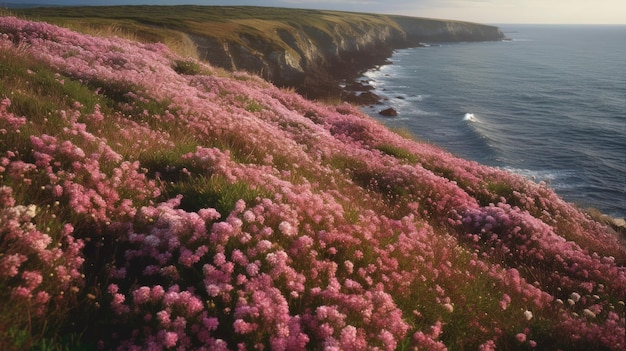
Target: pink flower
x,y
242,327
170,339
6,196
10,264
157,292
32,279
210,323
252,269
286,228
164,318
141,295
506,300
22,293
521,337
490,345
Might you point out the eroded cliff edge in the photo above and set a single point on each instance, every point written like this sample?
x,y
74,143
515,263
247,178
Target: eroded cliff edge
x,y
316,49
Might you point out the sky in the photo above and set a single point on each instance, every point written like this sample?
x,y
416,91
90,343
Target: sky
x,y
482,11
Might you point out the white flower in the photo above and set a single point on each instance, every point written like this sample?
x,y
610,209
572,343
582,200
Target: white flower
x,y
448,307
528,315
31,211
587,313
575,296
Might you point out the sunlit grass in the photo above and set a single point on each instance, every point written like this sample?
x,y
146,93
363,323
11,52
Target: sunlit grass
x,y
173,25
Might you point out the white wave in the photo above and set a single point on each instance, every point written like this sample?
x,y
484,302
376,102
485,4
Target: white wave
x,y
557,179
470,117
416,98
536,175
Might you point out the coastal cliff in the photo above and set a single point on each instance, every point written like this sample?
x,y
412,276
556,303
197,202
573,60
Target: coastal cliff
x,y
419,30
312,55
308,50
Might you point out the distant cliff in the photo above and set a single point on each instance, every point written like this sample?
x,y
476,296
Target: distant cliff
x,y
313,57
433,30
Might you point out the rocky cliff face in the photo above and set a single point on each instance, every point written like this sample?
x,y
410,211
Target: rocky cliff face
x,y
314,57
430,30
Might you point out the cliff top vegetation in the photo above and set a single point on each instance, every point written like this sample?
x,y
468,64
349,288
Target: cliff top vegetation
x,y
204,20
152,201
166,23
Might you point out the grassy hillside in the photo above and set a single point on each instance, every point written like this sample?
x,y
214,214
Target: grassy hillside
x,y
151,201
166,23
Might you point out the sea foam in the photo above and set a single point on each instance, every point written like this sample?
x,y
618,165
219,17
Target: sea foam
x,y
470,117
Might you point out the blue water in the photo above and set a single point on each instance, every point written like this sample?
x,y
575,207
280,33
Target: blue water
x,y
550,104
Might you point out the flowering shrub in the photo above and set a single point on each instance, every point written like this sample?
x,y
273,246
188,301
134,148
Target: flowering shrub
x,y
161,206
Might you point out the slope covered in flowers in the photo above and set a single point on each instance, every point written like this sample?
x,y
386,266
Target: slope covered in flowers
x,y
149,201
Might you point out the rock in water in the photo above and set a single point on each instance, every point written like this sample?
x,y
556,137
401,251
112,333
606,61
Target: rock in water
x,y
389,112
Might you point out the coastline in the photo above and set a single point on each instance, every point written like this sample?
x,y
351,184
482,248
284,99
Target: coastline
x,y
391,88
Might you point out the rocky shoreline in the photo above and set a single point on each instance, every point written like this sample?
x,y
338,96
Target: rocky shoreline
x,y
617,225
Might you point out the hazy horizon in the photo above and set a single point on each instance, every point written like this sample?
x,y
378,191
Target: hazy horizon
x,y
482,11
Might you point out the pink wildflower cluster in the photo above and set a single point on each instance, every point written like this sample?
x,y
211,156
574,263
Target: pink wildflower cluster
x,y
38,270
355,238
79,177
8,121
521,238
247,278
429,340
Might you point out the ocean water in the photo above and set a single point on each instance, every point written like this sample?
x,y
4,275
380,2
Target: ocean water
x,y
550,104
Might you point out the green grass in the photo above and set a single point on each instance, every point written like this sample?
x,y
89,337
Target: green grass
x,y
170,15
249,104
231,23
72,342
214,192
167,161
188,67
42,91
397,152
38,92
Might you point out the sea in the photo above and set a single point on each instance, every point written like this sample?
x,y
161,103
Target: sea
x,y
548,103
